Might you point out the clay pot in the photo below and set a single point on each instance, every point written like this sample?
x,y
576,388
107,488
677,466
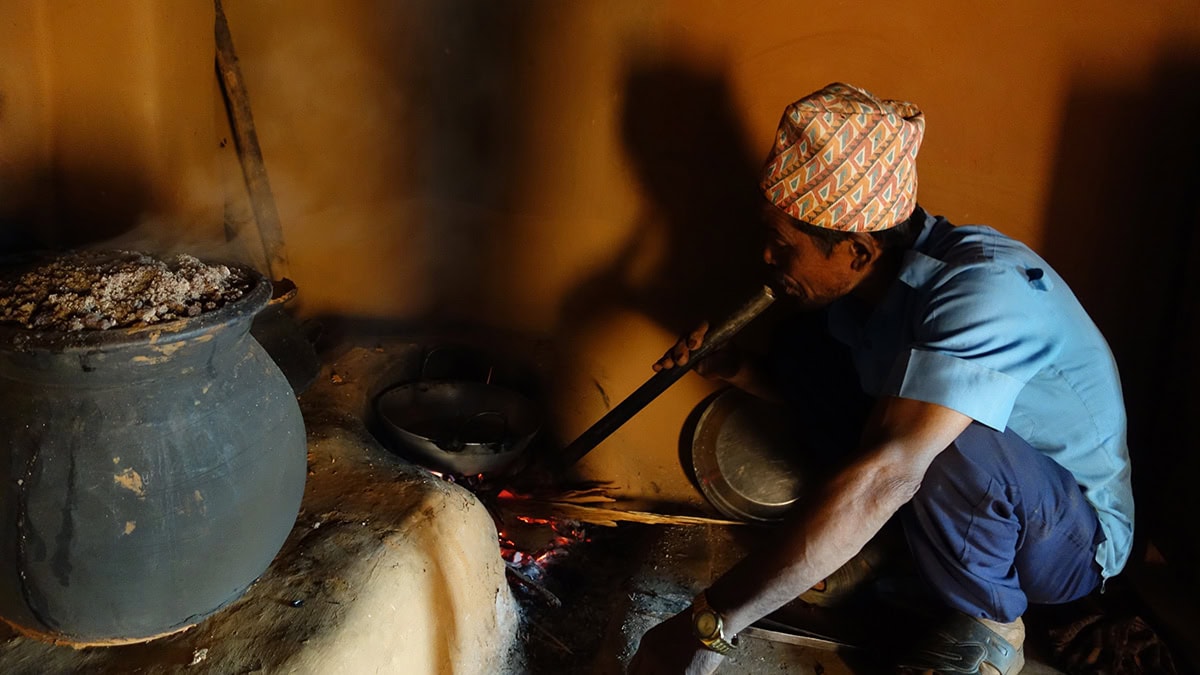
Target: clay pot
x,y
151,473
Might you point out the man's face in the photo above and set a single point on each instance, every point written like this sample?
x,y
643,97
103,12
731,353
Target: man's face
x,y
801,269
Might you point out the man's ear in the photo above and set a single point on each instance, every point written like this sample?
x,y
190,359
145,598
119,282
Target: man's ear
x,y
864,250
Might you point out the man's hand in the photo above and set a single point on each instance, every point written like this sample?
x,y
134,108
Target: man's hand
x,y
681,353
670,648
721,364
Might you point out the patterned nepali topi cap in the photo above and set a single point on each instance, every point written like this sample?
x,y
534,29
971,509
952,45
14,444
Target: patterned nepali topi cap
x,y
845,160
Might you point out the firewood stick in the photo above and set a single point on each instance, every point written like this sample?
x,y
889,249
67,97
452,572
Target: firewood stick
x,y
596,515
541,591
550,637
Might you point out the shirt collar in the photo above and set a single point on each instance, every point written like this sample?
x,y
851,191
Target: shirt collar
x,y
918,267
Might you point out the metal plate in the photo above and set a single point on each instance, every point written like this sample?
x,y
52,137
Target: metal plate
x,y
747,457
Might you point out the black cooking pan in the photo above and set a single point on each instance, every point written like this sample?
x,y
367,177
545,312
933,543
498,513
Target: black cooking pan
x,y
462,427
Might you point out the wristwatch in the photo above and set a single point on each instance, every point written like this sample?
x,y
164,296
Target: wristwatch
x,y
709,627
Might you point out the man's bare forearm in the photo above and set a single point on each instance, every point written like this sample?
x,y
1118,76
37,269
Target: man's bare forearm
x,y
851,511
899,443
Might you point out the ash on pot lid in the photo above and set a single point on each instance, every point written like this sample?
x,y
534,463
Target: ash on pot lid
x,y
99,290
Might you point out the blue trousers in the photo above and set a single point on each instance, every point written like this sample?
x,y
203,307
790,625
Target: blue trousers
x,y
996,524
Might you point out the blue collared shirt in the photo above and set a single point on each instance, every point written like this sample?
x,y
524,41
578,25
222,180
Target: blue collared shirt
x,y
980,324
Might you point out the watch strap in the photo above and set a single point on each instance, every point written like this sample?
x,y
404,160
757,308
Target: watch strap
x,y
717,643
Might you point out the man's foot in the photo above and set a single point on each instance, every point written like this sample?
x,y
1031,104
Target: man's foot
x,y
852,577
970,645
843,583
1014,634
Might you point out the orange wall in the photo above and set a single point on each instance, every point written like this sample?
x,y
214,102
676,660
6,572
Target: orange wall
x,y
107,121
483,145
578,170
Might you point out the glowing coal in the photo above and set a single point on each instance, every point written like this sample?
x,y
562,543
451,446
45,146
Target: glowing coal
x,y
529,545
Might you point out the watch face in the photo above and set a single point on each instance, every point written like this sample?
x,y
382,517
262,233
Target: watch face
x,y
706,625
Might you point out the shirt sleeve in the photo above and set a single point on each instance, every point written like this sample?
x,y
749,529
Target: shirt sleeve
x,y
980,335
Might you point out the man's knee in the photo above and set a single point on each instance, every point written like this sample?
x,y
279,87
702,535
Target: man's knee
x,y
969,468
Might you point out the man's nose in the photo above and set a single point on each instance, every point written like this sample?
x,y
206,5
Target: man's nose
x,y
768,257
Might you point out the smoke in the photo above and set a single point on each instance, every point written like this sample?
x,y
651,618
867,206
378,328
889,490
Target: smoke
x,y
389,133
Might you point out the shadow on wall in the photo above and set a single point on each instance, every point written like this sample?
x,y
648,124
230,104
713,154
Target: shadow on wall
x,y
685,141
72,207
407,120
1121,228
468,67
451,116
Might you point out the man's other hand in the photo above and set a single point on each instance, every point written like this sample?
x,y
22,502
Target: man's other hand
x,y
721,364
681,353
670,648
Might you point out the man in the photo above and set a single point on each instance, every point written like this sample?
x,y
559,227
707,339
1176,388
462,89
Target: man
x,y
993,423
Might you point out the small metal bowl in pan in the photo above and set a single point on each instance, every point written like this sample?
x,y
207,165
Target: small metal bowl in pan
x,y
747,458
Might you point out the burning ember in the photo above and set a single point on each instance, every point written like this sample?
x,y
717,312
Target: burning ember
x,y
529,545
533,564
563,548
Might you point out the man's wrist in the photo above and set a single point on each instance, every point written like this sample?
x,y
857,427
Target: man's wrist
x,y
708,626
719,599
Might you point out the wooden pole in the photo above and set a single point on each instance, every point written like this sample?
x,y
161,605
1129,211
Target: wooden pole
x,y
237,102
